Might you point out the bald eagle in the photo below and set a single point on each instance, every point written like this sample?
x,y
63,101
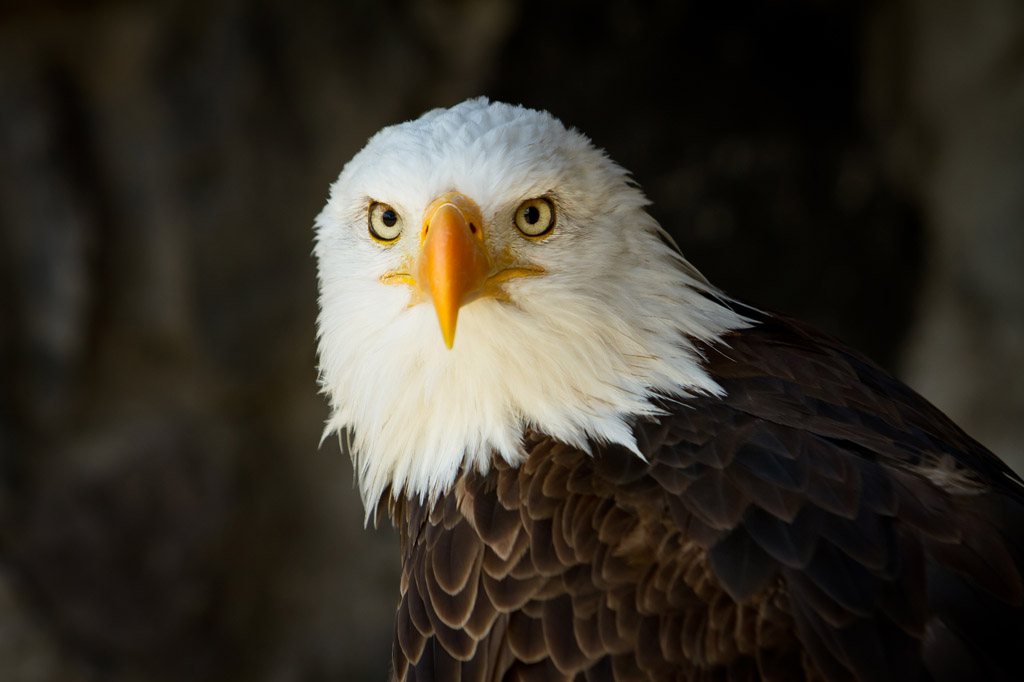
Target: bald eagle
x,y
603,468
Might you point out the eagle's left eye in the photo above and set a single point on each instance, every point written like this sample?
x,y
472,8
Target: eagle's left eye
x,y
384,222
536,217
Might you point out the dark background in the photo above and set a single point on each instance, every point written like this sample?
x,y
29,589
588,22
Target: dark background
x,y
166,513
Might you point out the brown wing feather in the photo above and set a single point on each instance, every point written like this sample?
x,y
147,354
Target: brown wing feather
x,y
819,522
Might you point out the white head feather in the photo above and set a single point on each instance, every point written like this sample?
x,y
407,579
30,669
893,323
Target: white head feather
x,y
576,353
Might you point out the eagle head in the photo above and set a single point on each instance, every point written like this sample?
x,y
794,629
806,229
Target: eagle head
x,y
485,271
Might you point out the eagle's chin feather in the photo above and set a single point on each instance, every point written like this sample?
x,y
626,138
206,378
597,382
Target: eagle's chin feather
x,y
418,413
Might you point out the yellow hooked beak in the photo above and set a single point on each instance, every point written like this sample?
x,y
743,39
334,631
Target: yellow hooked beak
x,y
452,267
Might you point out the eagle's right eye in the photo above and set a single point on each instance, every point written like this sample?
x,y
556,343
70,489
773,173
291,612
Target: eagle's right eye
x,y
384,222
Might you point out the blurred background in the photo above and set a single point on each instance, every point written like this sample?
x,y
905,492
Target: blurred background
x,y
166,513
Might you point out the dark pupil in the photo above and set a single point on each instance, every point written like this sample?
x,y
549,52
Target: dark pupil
x,y
532,214
389,218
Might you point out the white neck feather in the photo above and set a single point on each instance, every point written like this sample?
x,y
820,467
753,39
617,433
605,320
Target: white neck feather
x,y
577,368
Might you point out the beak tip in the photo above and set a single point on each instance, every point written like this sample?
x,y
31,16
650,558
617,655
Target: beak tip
x,y
448,323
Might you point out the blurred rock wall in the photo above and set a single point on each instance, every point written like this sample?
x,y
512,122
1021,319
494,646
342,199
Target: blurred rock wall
x,y
166,512
945,94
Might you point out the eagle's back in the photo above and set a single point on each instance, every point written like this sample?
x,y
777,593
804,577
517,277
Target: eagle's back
x,y
819,522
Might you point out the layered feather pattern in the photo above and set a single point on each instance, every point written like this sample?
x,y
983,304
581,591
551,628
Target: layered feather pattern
x,y
789,530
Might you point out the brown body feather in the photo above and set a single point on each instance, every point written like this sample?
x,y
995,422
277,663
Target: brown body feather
x,y
819,522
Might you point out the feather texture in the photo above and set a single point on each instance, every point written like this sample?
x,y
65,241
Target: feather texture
x,y
873,572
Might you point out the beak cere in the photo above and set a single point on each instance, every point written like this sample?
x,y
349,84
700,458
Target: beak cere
x,y
452,266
